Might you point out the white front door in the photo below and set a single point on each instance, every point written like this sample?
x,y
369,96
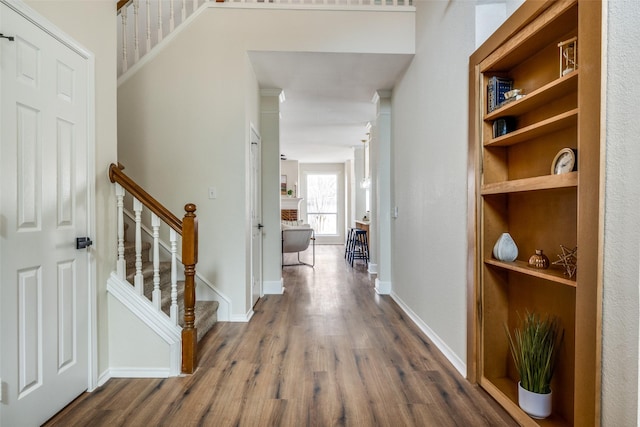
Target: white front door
x,y
43,199
256,219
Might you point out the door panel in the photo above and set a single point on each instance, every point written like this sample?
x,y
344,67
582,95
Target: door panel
x,y
44,339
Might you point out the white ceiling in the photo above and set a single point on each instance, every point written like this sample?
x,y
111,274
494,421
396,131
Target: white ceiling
x,y
328,98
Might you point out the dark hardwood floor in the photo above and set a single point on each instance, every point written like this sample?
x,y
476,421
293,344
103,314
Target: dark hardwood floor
x,y
328,352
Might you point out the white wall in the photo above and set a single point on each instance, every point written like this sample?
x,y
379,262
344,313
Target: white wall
x,y
429,183
622,210
93,24
183,118
290,169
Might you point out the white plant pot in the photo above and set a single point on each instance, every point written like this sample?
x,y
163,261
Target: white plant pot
x,y
536,405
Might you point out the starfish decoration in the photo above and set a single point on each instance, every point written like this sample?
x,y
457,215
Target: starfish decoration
x,y
568,260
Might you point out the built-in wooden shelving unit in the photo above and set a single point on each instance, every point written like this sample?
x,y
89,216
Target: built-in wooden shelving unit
x,y
512,189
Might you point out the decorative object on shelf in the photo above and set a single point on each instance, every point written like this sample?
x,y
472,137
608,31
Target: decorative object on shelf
x,y
539,260
496,88
512,95
568,56
290,193
505,248
503,126
565,161
283,184
534,346
568,259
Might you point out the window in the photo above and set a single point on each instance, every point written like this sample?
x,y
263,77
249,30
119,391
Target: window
x,y
322,203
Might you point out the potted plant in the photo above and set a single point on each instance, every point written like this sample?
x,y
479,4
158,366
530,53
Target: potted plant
x,y
534,347
290,193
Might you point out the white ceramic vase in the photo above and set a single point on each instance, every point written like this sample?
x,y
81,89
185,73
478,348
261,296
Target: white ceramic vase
x,y
505,248
536,405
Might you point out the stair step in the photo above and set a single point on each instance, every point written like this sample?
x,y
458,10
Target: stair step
x,y
130,253
206,316
147,274
206,312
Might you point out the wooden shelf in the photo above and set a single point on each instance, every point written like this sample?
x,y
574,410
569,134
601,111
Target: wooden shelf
x,y
551,274
546,182
505,391
546,94
552,124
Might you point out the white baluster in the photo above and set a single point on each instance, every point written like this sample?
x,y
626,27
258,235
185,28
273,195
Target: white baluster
x,y
173,237
123,17
172,16
155,295
195,5
148,26
136,29
184,10
121,265
138,280
159,21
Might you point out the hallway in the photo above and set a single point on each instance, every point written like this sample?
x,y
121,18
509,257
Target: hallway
x,y
327,352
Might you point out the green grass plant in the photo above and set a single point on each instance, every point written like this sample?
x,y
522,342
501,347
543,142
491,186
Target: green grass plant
x,y
534,347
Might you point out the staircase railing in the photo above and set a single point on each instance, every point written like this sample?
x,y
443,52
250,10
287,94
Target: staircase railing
x,y
188,229
142,24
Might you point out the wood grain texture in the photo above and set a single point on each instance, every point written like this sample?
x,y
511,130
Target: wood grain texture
x,y
327,352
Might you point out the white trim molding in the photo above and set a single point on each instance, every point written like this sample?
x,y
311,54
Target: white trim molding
x,y
136,372
158,322
457,363
273,287
382,288
372,268
242,318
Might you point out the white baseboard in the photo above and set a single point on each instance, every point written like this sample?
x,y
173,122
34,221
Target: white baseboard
x,y
382,288
139,373
103,378
372,268
242,317
457,363
273,287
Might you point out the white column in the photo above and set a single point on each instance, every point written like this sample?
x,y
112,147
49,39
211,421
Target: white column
x,y
172,16
123,17
138,280
155,295
384,207
121,265
148,26
173,237
160,34
136,30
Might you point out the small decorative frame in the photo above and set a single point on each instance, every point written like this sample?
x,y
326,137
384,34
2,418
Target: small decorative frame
x,y
283,185
568,56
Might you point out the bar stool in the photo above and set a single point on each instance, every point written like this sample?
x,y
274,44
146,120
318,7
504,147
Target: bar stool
x,y
349,243
358,246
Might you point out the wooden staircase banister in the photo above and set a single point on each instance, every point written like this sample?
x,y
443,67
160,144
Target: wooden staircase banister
x,y
188,229
116,175
121,4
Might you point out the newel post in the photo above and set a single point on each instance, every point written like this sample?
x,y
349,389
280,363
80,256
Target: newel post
x,y
189,259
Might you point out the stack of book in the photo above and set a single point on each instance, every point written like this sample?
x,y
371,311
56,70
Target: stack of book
x,y
496,88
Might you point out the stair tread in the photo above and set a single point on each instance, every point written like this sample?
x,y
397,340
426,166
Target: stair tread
x,y
205,311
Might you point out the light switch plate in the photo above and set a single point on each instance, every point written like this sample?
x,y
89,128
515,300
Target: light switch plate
x,y
213,193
